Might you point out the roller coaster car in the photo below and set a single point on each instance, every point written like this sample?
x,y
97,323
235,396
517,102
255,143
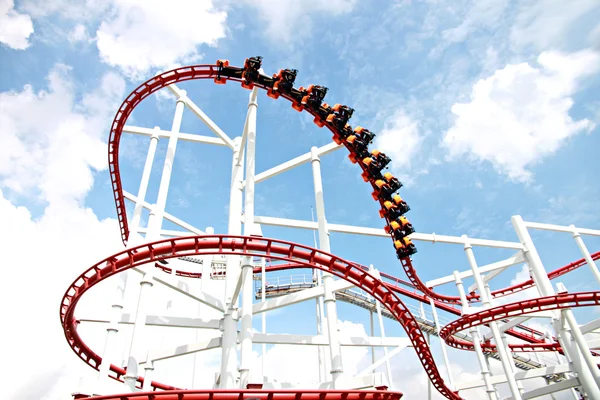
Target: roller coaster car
x,y
220,64
384,189
358,148
313,97
394,209
366,134
400,228
283,82
322,113
340,115
374,164
360,141
404,248
392,180
342,134
250,73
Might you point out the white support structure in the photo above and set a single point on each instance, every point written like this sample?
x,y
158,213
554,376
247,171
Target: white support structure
x,y
247,265
337,368
503,351
207,316
588,378
229,356
586,254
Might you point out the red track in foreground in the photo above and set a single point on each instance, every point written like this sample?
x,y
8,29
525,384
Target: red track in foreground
x,y
254,394
302,256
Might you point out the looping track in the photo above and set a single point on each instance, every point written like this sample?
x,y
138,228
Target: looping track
x,y
298,256
302,256
256,395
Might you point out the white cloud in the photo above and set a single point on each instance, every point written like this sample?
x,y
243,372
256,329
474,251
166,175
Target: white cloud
x,y
290,20
545,24
481,14
78,34
63,140
50,144
141,35
401,140
520,114
15,28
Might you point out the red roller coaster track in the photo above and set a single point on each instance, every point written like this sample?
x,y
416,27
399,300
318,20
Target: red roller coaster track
x,y
297,256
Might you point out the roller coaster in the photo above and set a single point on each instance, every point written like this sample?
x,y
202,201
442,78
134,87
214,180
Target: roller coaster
x,y
157,255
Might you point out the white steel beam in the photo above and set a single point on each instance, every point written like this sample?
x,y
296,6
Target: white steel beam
x,y
303,159
322,340
168,232
521,375
178,286
200,114
555,387
190,137
177,351
382,360
298,297
516,259
165,215
560,228
499,267
590,326
163,320
423,237
519,320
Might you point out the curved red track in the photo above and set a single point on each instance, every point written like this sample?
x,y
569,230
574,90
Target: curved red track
x,y
302,256
345,270
255,394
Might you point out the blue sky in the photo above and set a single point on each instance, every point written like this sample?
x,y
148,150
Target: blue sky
x,y
488,109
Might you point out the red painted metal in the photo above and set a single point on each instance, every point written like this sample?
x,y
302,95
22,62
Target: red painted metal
x,y
302,256
313,259
254,394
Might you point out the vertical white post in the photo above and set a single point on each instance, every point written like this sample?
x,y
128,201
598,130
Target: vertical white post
x,y
503,352
204,286
334,345
372,325
319,313
263,287
586,255
247,287
442,343
388,368
112,330
589,378
229,342
165,180
141,195
485,371
154,228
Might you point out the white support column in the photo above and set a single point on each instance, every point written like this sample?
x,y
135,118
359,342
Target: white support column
x,y
388,368
442,343
263,287
589,378
154,227
483,365
139,202
334,345
165,180
372,325
320,312
503,352
229,345
586,254
247,285
112,331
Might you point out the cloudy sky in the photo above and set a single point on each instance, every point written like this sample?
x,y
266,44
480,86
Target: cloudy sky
x,y
488,109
